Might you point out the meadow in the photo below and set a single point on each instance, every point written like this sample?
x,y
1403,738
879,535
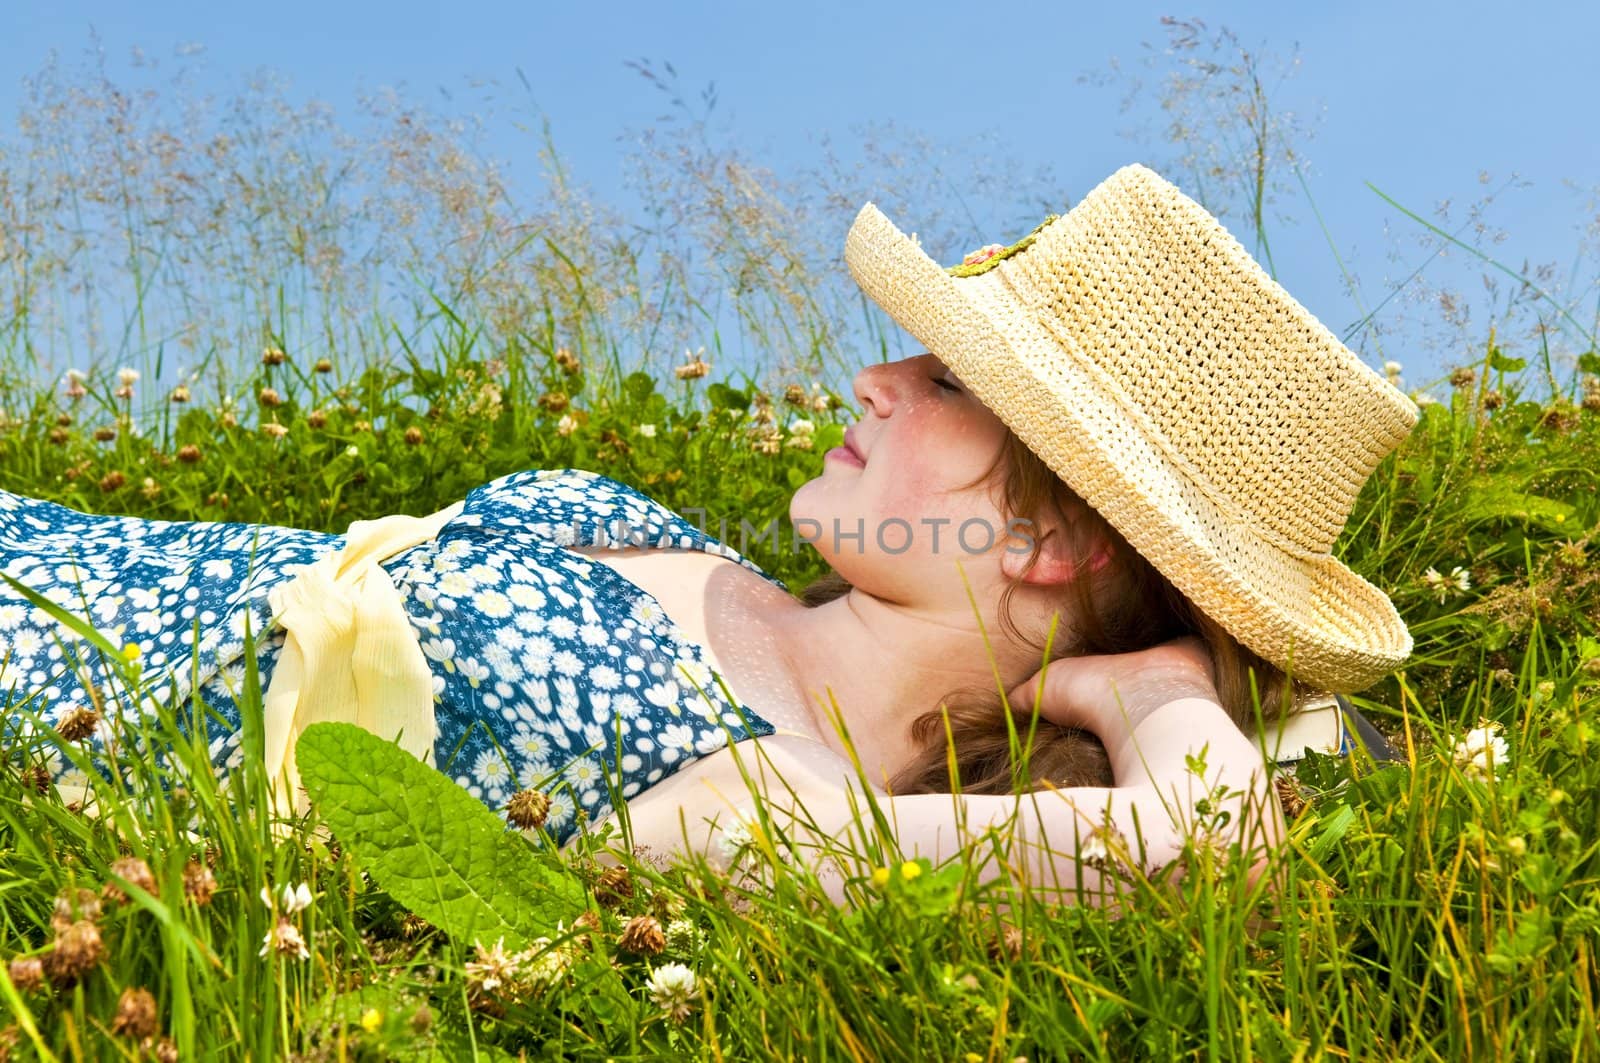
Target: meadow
x,y
1443,907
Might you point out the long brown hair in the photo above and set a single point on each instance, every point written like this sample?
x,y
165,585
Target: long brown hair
x,y
1126,605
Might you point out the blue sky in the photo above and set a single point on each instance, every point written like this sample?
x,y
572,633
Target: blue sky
x,y
1418,99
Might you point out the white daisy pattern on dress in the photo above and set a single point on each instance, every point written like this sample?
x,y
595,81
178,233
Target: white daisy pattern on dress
x,y
548,668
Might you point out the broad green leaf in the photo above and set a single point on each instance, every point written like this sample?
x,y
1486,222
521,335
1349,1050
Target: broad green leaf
x,y
638,386
436,849
1500,363
723,397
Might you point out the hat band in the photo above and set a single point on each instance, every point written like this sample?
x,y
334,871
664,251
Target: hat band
x,y
1225,505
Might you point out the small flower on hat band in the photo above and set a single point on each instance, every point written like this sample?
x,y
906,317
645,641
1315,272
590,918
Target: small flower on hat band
x,y
983,254
988,256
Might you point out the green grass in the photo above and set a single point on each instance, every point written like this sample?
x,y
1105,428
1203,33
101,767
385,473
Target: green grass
x,y
1424,912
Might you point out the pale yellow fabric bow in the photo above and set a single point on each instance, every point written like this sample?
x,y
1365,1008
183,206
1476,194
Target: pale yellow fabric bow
x,y
350,653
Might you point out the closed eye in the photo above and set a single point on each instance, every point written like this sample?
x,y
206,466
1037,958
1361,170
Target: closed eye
x,y
942,382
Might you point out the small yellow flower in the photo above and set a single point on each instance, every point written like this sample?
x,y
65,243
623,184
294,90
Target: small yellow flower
x,y
910,870
880,877
372,1020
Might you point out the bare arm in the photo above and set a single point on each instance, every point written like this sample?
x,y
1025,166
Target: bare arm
x,y
1056,840
1154,710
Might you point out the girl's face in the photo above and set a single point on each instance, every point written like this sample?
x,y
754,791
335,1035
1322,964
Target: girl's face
x,y
889,511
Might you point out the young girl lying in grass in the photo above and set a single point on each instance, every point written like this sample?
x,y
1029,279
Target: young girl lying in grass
x,y
1127,444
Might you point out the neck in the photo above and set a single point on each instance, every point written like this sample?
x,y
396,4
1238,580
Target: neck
x,y
880,664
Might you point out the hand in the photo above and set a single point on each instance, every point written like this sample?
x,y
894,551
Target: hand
x,y
1109,694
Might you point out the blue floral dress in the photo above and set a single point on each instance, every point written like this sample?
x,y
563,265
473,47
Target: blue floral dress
x,y
550,670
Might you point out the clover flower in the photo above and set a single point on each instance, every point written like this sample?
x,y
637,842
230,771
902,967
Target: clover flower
x,y
136,1016
27,972
528,809
1482,751
734,838
673,988
567,425
284,938
982,254
648,431
1459,581
643,935
293,898
133,870
492,968
694,369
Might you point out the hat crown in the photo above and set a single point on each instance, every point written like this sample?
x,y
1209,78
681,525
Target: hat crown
x,y
1237,383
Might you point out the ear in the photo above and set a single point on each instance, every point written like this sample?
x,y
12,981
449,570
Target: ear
x,y
1054,566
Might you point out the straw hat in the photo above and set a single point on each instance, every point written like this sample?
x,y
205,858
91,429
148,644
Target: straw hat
x,y
1139,350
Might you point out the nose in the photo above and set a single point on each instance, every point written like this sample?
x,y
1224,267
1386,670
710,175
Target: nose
x,y
875,389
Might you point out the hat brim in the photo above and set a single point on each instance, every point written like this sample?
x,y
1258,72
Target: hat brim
x,y
1312,616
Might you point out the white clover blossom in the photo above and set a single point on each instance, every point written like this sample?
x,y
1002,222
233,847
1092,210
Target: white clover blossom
x,y
284,938
1092,850
673,988
802,427
567,425
1482,751
546,966
127,377
492,968
735,836
292,899
648,431
1459,581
